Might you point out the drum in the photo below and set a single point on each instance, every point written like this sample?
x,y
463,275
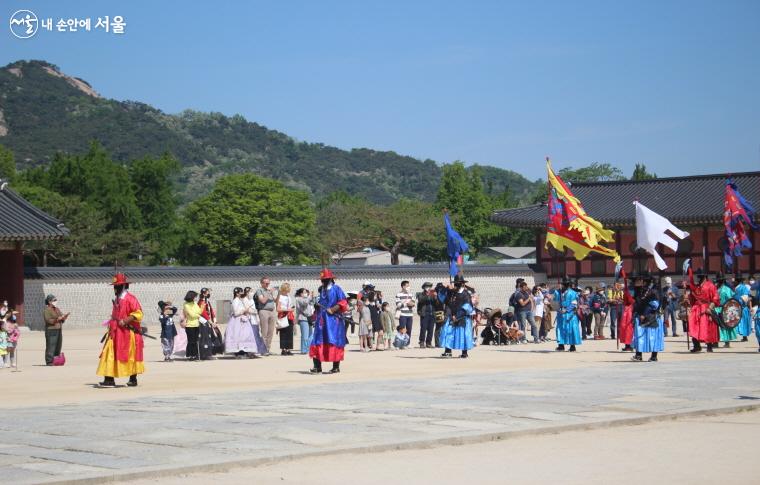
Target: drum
x,y
731,314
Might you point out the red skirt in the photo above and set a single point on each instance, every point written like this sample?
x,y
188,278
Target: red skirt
x,y
625,326
701,326
326,353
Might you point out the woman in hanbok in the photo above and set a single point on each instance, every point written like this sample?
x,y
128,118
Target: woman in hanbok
x,y
206,333
253,316
238,336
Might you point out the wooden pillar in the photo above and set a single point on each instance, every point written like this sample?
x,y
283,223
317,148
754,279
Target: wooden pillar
x,y
618,245
12,282
706,250
539,255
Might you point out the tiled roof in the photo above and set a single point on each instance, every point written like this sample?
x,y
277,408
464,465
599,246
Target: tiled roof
x,y
21,221
254,273
689,200
516,252
362,255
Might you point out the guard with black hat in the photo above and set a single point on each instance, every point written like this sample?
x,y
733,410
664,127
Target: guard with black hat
x,y
568,325
703,298
625,320
457,330
649,327
329,339
725,333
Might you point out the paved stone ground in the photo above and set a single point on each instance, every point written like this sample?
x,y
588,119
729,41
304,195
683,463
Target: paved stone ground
x,y
157,434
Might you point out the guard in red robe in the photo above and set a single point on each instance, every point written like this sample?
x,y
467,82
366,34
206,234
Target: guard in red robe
x,y
122,354
625,324
703,298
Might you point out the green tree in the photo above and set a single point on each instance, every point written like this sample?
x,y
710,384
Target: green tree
x,y
7,165
596,172
640,173
86,244
344,225
156,199
461,192
405,225
99,181
249,220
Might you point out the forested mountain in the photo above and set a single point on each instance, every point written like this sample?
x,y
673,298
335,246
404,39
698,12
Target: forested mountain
x,y
44,111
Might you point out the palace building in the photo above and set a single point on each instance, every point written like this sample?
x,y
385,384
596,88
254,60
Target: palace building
x,y
693,204
20,223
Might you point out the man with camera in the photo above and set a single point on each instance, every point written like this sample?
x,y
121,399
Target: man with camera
x,y
265,305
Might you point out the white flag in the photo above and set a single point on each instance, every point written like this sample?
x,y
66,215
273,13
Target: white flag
x,y
650,230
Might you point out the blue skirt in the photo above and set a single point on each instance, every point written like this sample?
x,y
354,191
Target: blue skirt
x,y
745,324
727,334
647,339
457,337
568,329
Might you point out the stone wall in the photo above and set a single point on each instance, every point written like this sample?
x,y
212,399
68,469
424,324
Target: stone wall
x,y
86,293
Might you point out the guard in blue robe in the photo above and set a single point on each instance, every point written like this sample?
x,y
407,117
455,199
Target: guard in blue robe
x,y
457,329
743,295
329,338
649,326
568,325
757,327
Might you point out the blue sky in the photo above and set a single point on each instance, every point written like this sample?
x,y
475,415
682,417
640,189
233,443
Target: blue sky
x,y
672,84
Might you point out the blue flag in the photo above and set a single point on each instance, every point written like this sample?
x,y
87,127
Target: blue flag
x,y
455,245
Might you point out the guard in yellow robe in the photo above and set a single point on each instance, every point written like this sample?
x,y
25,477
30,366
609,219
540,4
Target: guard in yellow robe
x,y
122,354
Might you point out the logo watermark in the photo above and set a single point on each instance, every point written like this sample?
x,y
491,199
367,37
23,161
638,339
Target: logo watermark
x,y
24,24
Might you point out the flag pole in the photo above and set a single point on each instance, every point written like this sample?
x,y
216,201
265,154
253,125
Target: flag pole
x,y
446,211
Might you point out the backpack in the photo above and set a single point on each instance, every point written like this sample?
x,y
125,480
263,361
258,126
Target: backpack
x,y
596,303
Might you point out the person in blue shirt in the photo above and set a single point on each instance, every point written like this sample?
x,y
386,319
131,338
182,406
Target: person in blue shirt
x,y
168,330
669,302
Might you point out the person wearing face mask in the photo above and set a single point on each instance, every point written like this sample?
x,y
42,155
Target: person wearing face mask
x,y
122,354
54,319
703,298
328,341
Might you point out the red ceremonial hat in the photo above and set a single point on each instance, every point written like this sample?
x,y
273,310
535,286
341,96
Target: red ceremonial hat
x,y
326,274
119,279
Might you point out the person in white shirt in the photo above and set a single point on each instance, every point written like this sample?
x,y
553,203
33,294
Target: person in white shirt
x,y
405,305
